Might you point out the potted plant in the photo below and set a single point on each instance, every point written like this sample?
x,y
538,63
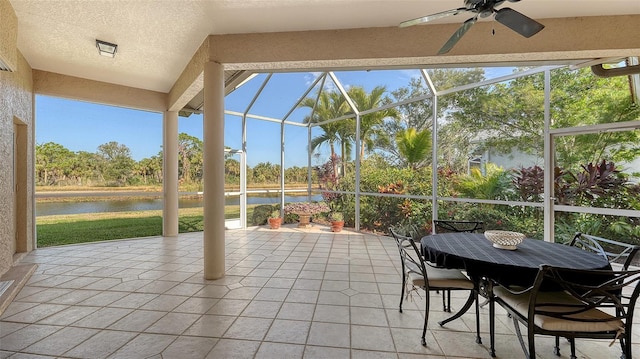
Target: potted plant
x,y
337,221
275,220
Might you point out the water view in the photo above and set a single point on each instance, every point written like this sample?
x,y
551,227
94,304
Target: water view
x,y
138,204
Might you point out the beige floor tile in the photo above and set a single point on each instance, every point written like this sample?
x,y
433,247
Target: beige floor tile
x,y
210,326
296,311
15,308
26,336
133,300
231,348
279,351
137,321
302,296
36,313
369,354
332,314
229,307
102,318
189,347
288,331
173,323
313,352
61,341
69,315
368,316
164,302
144,346
371,338
329,334
262,309
248,328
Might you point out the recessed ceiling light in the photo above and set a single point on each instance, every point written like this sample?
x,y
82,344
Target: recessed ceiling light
x,y
106,48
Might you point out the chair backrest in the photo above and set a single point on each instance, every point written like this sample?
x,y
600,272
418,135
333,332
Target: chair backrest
x,y
409,254
589,289
615,252
447,226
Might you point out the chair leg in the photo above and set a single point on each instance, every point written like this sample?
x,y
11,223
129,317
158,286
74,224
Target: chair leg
x,y
449,301
625,344
572,341
478,339
556,348
527,353
444,299
492,327
404,284
426,319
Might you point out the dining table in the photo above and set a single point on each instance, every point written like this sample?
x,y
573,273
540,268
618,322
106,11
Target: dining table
x,y
487,265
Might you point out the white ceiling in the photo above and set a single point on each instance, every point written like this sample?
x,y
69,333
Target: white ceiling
x,y
157,38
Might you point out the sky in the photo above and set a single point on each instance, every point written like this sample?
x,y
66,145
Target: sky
x,y
82,126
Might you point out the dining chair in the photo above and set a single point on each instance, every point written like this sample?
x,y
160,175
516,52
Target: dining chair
x,y
616,253
451,226
597,304
454,226
416,273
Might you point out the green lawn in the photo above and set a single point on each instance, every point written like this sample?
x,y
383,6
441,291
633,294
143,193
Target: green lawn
x,y
82,228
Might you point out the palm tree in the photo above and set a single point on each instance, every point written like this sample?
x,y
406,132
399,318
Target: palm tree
x,y
370,129
414,146
330,105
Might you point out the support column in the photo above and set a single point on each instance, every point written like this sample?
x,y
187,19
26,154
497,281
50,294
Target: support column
x,y
170,174
213,170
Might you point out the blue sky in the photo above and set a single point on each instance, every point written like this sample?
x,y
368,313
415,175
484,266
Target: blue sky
x,y
81,126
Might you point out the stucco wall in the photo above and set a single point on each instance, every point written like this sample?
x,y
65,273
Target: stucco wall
x,y
16,107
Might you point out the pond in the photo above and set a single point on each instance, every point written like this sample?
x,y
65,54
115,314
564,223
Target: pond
x,y
141,204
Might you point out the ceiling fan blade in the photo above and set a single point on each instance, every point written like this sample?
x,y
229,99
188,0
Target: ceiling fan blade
x,y
439,15
457,35
518,22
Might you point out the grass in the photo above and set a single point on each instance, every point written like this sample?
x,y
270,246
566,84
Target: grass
x,y
93,227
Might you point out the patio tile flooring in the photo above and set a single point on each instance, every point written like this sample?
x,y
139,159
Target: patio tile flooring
x,y
288,293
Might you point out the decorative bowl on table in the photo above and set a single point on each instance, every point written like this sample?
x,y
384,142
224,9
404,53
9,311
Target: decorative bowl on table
x,y
505,239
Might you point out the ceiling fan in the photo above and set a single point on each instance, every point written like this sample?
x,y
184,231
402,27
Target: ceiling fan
x,y
512,19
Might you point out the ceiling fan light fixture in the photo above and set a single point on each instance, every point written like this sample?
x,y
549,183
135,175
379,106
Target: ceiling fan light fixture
x,y
106,48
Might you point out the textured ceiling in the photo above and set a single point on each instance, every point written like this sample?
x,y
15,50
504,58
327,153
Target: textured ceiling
x,y
157,38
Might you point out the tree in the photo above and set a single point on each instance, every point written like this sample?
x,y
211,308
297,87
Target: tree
x,y
371,131
419,115
329,105
509,117
189,157
53,162
414,146
118,164
85,167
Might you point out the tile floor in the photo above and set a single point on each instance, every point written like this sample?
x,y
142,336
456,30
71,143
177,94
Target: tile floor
x,y
290,293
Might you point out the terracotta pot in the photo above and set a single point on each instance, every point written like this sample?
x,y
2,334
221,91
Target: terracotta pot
x,y
337,226
275,223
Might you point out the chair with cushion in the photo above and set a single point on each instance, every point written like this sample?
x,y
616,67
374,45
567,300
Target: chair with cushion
x,y
616,252
450,226
417,274
597,304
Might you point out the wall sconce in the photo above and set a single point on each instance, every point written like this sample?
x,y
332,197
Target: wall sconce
x,y
106,48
